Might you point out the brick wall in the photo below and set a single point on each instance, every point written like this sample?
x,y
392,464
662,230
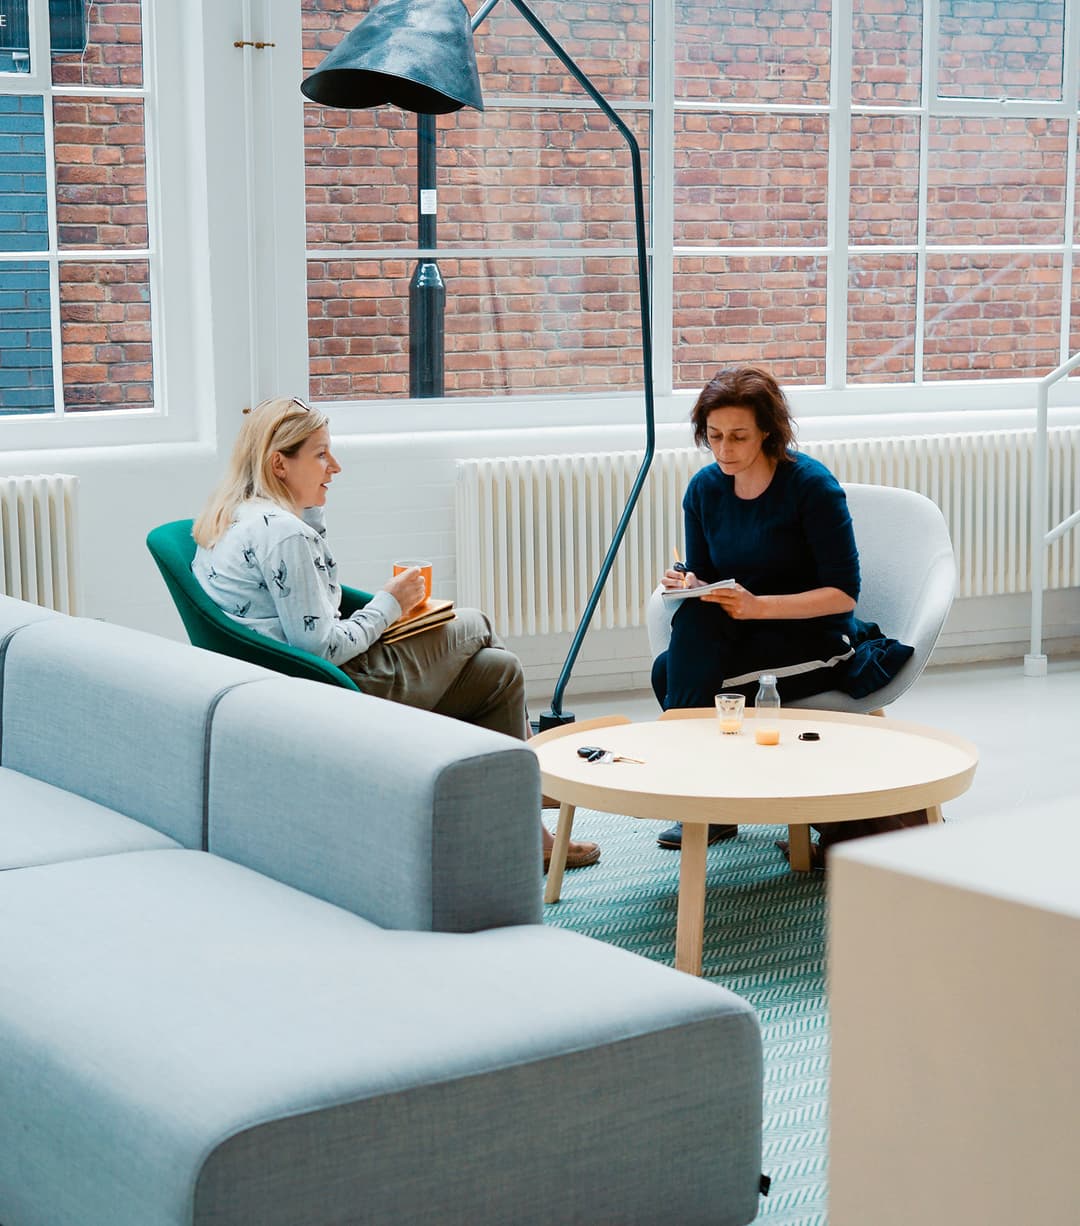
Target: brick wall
x,y
993,314
534,178
881,318
516,325
113,54
997,180
100,153
531,178
538,177
23,207
101,205
884,193
729,308
751,180
995,47
26,376
753,51
105,334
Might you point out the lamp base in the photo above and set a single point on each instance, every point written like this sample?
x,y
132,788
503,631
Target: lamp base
x,y
549,719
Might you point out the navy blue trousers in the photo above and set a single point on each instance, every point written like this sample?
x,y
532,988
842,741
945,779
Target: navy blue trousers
x,y
711,652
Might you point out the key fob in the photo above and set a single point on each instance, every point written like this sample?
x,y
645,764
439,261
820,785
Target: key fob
x,y
591,753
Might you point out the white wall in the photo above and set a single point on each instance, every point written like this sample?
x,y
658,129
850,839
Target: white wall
x,y
394,497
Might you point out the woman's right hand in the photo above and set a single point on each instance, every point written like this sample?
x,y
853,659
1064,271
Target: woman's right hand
x,y
407,588
677,578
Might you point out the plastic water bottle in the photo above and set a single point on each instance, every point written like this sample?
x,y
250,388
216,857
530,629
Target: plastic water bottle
x,y
767,711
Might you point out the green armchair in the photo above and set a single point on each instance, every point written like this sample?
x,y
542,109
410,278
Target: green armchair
x,y
173,548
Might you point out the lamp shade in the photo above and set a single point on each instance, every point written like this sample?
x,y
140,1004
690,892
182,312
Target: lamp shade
x,y
415,54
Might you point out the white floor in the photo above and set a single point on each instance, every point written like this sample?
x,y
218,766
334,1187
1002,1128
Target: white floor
x,y
1027,729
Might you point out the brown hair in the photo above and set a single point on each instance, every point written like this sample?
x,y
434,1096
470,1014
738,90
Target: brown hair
x,y
279,424
748,387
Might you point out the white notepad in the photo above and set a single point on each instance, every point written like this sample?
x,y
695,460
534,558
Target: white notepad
x,y
691,593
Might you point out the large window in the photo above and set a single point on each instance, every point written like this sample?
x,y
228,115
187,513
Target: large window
x,y
77,267
535,216
840,192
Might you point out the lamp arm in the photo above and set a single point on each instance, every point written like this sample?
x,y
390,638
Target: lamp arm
x,y
555,716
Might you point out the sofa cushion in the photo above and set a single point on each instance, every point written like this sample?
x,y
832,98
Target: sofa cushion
x,y
40,824
191,1041
15,613
117,716
411,819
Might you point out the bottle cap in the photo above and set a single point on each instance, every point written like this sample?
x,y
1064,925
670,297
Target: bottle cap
x,y
768,678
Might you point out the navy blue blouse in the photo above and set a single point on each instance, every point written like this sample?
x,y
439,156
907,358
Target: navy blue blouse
x,y
794,537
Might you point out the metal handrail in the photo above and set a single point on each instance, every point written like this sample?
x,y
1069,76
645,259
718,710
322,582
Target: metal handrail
x,y
1041,537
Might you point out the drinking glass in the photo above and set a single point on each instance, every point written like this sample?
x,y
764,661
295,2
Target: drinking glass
x,y
729,711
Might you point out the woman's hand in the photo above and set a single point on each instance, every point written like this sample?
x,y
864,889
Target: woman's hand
x,y
737,602
742,605
679,578
407,588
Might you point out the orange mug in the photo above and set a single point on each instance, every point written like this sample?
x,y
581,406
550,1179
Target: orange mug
x,y
425,570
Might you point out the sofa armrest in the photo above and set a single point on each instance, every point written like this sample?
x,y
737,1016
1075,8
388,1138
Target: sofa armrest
x,y
410,819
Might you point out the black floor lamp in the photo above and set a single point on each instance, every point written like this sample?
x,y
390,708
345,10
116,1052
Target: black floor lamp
x,y
418,55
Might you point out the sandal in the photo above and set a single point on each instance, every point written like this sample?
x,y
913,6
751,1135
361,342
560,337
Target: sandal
x,y
586,854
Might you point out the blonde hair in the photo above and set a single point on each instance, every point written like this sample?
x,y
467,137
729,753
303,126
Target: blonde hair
x,y
278,424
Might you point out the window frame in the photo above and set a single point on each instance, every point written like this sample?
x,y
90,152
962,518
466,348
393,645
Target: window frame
x,y
175,183
835,398
208,354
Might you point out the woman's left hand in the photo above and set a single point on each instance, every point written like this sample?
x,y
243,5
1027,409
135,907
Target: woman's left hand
x,y
736,602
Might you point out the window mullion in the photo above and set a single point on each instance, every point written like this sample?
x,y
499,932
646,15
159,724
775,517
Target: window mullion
x,y
151,170
662,191
927,92
41,61
1070,93
839,197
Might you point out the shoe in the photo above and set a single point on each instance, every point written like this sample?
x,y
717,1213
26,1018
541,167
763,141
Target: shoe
x,y
817,855
586,854
672,836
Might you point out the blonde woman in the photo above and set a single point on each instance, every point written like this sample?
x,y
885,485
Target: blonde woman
x,y
262,558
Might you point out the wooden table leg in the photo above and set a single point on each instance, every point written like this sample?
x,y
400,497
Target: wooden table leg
x,y
934,814
690,926
799,848
557,864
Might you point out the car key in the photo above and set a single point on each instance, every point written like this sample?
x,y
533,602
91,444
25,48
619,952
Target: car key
x,y
593,753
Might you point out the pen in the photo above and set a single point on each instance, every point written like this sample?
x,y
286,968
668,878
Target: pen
x,y
679,566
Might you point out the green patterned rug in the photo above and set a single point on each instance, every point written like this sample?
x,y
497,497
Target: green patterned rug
x,y
764,939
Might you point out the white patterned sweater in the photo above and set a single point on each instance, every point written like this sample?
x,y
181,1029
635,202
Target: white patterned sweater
x,y
272,571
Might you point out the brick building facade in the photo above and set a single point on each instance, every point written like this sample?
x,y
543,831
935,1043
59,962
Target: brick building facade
x,y
535,212
95,282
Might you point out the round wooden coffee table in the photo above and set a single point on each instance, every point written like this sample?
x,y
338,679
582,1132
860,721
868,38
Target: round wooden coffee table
x,y
860,766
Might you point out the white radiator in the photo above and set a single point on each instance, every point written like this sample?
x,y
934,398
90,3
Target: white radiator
x,y
38,545
533,530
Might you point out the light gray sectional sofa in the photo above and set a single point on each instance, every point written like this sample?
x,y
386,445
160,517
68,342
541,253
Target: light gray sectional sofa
x,y
272,952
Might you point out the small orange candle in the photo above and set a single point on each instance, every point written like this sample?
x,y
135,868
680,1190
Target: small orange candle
x,y
767,736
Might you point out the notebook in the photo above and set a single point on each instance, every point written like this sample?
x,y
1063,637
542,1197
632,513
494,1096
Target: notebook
x,y
423,617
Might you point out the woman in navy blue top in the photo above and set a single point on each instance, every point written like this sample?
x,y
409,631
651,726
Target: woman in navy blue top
x,y
777,523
